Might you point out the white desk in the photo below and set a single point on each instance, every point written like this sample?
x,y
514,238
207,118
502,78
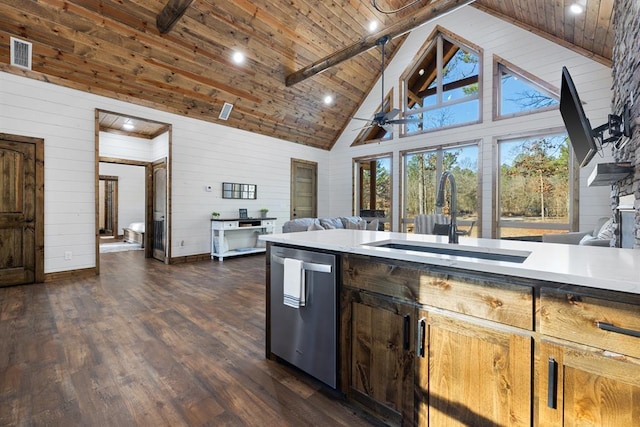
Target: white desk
x,y
239,236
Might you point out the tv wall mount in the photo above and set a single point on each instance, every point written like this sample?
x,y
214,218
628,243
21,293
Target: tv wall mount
x,y
617,127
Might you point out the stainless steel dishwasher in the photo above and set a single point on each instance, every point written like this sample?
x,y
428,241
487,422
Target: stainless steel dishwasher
x,y
306,336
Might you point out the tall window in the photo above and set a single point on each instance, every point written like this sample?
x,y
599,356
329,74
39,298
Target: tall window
x,y
421,175
534,191
373,189
519,92
443,88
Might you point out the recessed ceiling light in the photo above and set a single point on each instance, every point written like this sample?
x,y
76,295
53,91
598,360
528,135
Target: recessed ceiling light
x,y
576,8
373,25
128,125
238,57
328,99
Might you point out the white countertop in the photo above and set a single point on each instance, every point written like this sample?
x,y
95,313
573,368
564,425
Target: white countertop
x,y
597,267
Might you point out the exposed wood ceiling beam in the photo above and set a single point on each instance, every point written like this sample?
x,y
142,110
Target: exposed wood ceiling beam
x,y
170,14
426,14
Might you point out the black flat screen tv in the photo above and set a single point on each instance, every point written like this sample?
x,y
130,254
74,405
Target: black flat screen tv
x,y
580,134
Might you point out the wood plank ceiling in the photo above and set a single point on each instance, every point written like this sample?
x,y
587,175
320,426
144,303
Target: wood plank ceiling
x,y
113,48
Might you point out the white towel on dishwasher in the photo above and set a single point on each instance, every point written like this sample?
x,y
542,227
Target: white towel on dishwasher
x,y
294,290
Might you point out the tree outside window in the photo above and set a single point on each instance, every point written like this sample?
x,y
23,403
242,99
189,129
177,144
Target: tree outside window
x,y
520,93
373,198
422,171
534,186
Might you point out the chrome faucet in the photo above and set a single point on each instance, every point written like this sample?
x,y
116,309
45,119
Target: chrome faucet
x,y
453,227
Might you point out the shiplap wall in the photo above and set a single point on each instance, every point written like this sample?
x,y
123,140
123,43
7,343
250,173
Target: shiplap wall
x,y
534,54
202,154
131,148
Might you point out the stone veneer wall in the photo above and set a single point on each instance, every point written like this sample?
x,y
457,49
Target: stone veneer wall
x,y
626,84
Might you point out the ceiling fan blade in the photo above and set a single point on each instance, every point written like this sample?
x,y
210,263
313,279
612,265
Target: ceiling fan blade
x,y
391,114
366,127
403,121
365,120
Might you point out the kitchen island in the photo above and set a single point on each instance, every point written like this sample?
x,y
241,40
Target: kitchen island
x,y
537,334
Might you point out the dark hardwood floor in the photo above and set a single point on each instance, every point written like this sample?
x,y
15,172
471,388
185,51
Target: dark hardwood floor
x,y
150,344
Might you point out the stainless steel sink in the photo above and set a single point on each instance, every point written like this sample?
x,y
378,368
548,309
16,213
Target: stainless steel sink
x,y
457,250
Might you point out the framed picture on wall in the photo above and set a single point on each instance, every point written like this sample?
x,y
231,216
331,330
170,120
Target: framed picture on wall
x,y
243,213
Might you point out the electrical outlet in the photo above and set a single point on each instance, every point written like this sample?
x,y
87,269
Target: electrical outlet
x,y
68,255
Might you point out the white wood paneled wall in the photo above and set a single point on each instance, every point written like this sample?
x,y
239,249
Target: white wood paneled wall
x,y
202,154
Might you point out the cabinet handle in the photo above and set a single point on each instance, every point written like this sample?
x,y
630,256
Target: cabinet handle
x,y
406,332
421,335
552,386
612,328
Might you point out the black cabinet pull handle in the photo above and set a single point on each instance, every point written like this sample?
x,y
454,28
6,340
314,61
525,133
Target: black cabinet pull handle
x,y
612,328
552,386
422,323
406,332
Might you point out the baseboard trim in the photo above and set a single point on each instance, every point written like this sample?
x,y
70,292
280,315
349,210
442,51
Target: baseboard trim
x,y
89,272
189,258
76,274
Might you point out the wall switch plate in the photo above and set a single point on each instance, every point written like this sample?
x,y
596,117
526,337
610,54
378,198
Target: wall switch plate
x,y
68,255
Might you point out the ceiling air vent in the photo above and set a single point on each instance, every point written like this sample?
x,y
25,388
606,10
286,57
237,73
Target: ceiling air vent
x,y
226,110
20,53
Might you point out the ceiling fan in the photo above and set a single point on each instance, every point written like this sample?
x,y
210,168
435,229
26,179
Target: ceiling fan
x,y
385,119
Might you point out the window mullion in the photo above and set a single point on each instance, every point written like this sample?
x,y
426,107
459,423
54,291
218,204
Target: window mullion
x,y
439,72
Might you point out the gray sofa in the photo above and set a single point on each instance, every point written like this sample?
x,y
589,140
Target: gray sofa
x,y
310,224
601,235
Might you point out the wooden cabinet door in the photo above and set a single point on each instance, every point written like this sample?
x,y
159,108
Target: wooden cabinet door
x,y
472,375
587,387
380,360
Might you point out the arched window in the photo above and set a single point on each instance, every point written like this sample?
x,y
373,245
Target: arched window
x,y
443,87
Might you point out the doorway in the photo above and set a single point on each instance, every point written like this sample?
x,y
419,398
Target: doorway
x,y
122,204
134,141
21,210
304,189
